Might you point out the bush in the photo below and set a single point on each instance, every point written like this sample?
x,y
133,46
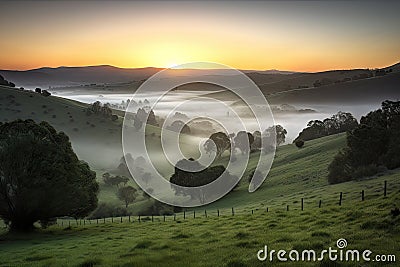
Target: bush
x,y
105,210
365,171
299,143
339,169
114,117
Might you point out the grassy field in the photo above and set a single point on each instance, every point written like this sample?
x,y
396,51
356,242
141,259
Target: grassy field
x,y
234,240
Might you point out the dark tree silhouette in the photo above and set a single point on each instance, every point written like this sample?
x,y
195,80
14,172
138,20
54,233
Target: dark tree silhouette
x,y
41,177
189,179
338,123
217,142
299,143
243,141
374,143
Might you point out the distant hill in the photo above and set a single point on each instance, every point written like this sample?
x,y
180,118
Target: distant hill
x,y
359,91
110,78
70,76
103,74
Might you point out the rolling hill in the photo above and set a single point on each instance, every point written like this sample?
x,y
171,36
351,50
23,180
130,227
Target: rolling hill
x,y
260,219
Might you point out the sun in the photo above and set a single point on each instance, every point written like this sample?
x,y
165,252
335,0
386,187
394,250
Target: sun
x,y
171,64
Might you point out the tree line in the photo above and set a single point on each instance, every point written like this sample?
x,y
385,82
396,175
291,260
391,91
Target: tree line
x,y
373,145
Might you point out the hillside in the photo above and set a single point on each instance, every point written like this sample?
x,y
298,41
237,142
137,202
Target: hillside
x,y
233,240
110,78
70,76
86,132
370,90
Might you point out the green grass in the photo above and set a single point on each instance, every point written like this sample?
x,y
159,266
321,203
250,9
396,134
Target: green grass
x,y
233,240
226,240
212,241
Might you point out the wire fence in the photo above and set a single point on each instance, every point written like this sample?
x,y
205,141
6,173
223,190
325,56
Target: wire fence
x,y
216,213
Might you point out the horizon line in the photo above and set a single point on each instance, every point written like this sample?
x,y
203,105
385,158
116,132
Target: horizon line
x,y
172,67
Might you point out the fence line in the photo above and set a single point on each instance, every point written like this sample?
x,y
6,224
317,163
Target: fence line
x,y
184,214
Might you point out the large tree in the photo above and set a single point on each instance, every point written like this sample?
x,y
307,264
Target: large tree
x,y
127,195
243,141
41,177
186,178
217,142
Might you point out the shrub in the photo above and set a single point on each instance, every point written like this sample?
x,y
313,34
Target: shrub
x,y
114,117
299,143
105,210
365,171
340,169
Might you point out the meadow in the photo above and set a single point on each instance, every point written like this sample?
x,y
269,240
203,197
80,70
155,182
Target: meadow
x,y
260,218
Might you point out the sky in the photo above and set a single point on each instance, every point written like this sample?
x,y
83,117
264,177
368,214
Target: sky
x,y
260,35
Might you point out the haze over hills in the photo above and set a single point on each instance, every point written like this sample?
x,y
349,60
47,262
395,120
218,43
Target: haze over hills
x,y
102,74
279,86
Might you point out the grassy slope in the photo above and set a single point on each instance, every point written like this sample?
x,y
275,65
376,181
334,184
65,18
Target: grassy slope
x,y
234,241
89,135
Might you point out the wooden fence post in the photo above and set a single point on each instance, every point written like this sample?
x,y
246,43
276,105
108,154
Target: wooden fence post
x,y
164,217
205,213
287,207
252,212
139,218
129,218
267,209
320,203
233,212
362,195
218,212
121,218
302,204
112,219
340,198
184,214
152,219
104,220
194,214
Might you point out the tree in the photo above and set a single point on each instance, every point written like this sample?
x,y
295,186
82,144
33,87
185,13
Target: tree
x,y
114,117
280,136
338,123
180,127
217,142
256,145
183,177
127,194
46,93
299,143
243,141
151,119
41,177
372,144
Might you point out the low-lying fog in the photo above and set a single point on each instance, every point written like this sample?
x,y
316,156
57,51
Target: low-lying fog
x,y
293,120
